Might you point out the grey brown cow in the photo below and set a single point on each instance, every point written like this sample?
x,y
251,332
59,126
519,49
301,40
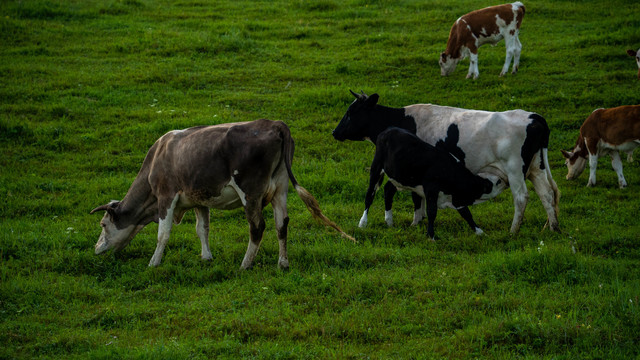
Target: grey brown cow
x,y
221,166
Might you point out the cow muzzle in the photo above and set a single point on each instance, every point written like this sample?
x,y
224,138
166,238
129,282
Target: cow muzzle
x,y
101,246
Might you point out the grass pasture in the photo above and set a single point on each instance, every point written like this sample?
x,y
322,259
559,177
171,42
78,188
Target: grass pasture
x,y
87,87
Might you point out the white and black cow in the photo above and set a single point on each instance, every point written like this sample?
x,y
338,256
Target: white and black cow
x,y
484,26
635,54
605,131
511,145
434,174
221,166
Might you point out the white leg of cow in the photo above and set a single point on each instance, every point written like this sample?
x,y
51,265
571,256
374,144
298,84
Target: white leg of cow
x,y
253,211
509,44
388,217
545,192
516,54
279,204
593,164
363,219
520,198
473,66
202,229
616,163
164,231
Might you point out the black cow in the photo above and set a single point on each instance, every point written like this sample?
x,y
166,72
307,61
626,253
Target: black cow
x,y
432,173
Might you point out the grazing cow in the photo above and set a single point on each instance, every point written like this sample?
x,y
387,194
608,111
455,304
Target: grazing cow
x,y
221,166
511,145
484,26
635,54
412,164
605,131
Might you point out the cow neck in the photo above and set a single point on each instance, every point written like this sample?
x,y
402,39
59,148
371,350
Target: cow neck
x,y
139,206
386,117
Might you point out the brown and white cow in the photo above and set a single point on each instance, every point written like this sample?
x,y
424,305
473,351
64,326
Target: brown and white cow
x,y
221,166
605,131
484,26
635,54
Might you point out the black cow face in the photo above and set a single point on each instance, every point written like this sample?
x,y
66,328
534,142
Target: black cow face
x,y
354,124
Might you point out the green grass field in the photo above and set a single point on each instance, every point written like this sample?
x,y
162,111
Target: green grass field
x,y
86,87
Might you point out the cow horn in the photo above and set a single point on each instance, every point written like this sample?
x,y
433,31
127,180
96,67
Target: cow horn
x,y
99,208
354,94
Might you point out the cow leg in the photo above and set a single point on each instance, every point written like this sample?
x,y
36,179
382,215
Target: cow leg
x,y
473,66
375,179
466,215
593,164
202,229
164,230
390,191
509,45
253,212
418,208
516,54
279,204
432,211
520,198
544,189
616,163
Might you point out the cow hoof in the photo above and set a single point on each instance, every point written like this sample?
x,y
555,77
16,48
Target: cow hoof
x,y
206,257
479,231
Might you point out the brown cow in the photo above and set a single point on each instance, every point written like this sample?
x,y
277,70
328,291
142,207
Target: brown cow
x,y
221,166
635,54
484,26
605,131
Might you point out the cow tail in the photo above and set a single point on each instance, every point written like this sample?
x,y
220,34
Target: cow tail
x,y
554,186
310,202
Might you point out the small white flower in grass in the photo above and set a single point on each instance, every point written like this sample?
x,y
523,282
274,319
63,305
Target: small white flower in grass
x,y
324,276
630,301
265,288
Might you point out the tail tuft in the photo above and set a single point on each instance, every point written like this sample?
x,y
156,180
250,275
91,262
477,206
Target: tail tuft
x,y
314,209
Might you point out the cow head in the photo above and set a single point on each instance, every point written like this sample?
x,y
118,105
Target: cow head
x,y
355,124
635,54
115,234
447,64
576,162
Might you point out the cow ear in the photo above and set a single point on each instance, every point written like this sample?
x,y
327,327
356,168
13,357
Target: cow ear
x,y
631,52
372,100
566,154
